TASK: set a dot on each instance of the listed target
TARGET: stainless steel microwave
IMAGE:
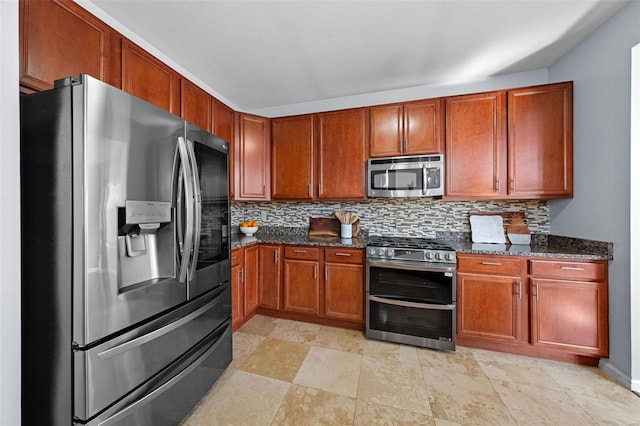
(414, 176)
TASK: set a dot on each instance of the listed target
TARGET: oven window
(426, 323)
(414, 286)
(396, 180)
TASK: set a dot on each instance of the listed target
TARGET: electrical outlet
(263, 215)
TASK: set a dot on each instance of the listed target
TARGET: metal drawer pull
(299, 251)
(571, 268)
(412, 304)
(343, 254)
(492, 263)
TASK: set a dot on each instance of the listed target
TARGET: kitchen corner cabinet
(490, 303)
(411, 128)
(511, 143)
(60, 39)
(270, 276)
(148, 78)
(292, 158)
(195, 105)
(244, 284)
(344, 283)
(223, 126)
(342, 154)
(540, 122)
(569, 306)
(252, 158)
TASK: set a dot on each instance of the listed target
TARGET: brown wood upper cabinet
(223, 126)
(293, 170)
(411, 128)
(511, 144)
(148, 78)
(196, 105)
(252, 158)
(541, 141)
(342, 154)
(60, 39)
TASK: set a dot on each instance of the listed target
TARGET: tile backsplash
(417, 217)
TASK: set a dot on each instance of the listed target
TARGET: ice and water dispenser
(146, 243)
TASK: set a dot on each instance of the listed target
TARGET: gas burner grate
(408, 242)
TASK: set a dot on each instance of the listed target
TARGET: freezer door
(125, 152)
(211, 262)
(111, 370)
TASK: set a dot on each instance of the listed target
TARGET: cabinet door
(237, 287)
(489, 307)
(251, 278)
(570, 316)
(270, 280)
(423, 127)
(146, 77)
(302, 286)
(61, 39)
(476, 146)
(292, 168)
(223, 126)
(541, 141)
(386, 139)
(342, 148)
(344, 291)
(196, 105)
(252, 158)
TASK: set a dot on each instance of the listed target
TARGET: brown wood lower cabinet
(244, 284)
(555, 309)
(324, 285)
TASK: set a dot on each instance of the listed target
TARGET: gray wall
(600, 67)
(9, 217)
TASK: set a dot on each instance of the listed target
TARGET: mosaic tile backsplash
(414, 217)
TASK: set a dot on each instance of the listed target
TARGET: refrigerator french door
(125, 248)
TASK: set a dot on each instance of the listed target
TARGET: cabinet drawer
(237, 257)
(493, 265)
(569, 270)
(339, 255)
(302, 252)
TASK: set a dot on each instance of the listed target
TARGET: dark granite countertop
(541, 245)
(551, 246)
(295, 236)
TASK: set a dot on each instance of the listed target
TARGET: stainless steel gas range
(411, 291)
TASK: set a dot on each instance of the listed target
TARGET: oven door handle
(412, 304)
(414, 266)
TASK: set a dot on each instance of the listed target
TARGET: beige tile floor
(294, 373)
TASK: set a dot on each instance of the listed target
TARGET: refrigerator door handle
(187, 245)
(198, 208)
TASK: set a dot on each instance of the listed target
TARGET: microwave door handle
(425, 181)
(188, 192)
(197, 207)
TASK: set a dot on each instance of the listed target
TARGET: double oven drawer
(411, 303)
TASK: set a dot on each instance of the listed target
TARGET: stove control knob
(389, 252)
(381, 252)
(438, 256)
(450, 256)
(428, 255)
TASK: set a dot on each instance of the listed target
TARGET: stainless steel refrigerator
(126, 299)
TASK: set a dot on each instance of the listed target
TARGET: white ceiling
(264, 53)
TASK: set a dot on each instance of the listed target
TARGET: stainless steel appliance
(414, 176)
(126, 300)
(411, 291)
